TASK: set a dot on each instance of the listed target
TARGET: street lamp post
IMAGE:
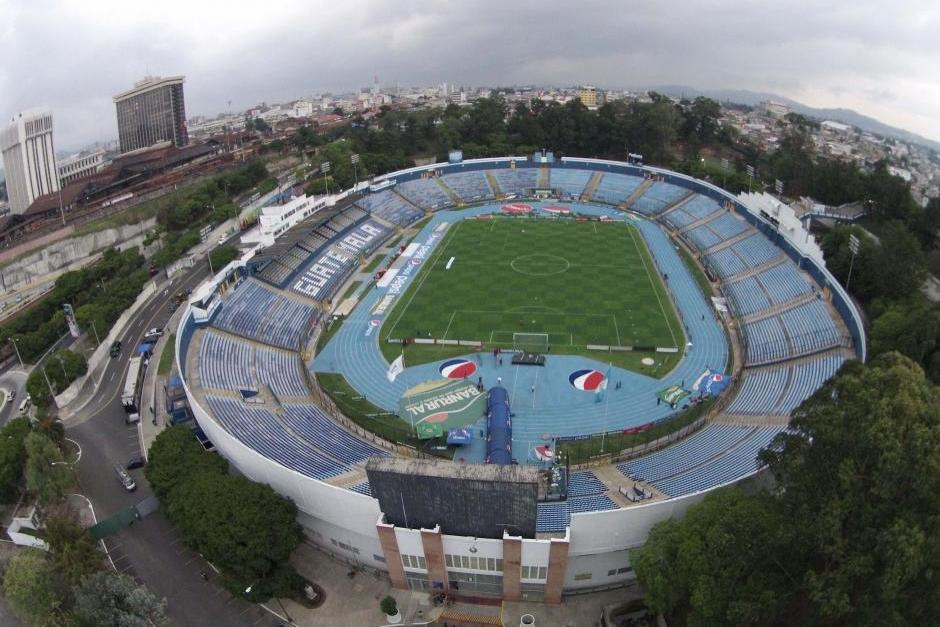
(354, 158)
(97, 339)
(290, 620)
(17, 349)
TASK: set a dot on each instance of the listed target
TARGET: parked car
(135, 462)
(11, 394)
(115, 348)
(153, 333)
(124, 478)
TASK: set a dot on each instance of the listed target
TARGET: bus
(133, 386)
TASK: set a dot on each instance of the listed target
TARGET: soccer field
(578, 283)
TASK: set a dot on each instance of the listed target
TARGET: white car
(154, 332)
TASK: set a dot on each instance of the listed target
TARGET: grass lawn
(375, 262)
(352, 289)
(576, 283)
(166, 357)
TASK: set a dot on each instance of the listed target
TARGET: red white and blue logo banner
(587, 380)
(457, 368)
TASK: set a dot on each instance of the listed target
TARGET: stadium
(522, 305)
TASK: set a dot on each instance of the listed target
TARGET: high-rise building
(152, 112)
(29, 158)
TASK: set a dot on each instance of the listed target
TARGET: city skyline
(860, 57)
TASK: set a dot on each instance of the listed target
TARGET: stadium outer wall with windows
(591, 554)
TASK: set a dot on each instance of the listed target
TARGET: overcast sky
(879, 58)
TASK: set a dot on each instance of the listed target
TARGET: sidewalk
(154, 418)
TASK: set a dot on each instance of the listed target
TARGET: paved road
(12, 380)
(150, 549)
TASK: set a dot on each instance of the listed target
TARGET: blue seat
(469, 186)
(426, 193)
(614, 189)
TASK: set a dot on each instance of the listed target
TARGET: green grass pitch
(579, 282)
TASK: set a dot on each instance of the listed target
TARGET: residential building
(80, 166)
(591, 96)
(29, 158)
(153, 111)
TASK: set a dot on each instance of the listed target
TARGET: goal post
(530, 342)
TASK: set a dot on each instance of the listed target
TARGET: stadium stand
(584, 483)
(695, 209)
(568, 184)
(766, 341)
(470, 186)
(391, 207)
(518, 181)
(321, 278)
(614, 189)
(425, 193)
(251, 305)
(317, 429)
(362, 488)
(810, 328)
(729, 466)
(259, 429)
(658, 198)
(778, 391)
(280, 371)
(224, 363)
(747, 296)
(712, 440)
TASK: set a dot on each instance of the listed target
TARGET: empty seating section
(553, 517)
(779, 391)
(730, 466)
(784, 282)
(280, 372)
(519, 181)
(750, 252)
(658, 198)
(260, 430)
(766, 341)
(593, 503)
(694, 451)
(426, 193)
(614, 189)
(810, 328)
(760, 392)
(692, 210)
(584, 483)
(390, 206)
(569, 183)
(354, 213)
(362, 488)
(747, 296)
(310, 423)
(756, 250)
(255, 312)
(275, 272)
(704, 237)
(224, 363)
(806, 379)
(727, 226)
(470, 186)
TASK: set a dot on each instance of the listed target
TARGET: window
(625, 569)
(611, 572)
(582, 576)
(464, 562)
(378, 558)
(414, 561)
(534, 572)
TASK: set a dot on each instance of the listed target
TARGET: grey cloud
(852, 55)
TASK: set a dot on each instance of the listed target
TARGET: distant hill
(846, 116)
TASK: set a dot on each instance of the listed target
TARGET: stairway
(447, 190)
(639, 191)
(592, 184)
(491, 179)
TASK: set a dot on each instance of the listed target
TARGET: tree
(110, 599)
(48, 477)
(12, 458)
(73, 552)
(722, 564)
(32, 588)
(859, 473)
(220, 256)
(175, 455)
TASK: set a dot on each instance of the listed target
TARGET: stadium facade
(588, 550)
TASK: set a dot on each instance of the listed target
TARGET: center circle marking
(540, 264)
